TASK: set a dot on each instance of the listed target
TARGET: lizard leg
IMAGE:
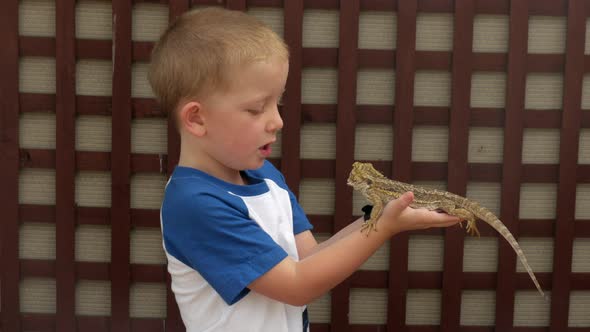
(371, 224)
(467, 216)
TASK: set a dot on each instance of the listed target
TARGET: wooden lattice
(504, 110)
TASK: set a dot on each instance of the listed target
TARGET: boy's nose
(275, 122)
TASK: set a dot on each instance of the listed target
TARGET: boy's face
(241, 123)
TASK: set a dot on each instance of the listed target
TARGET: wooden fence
(486, 98)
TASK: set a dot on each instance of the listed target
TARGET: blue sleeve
(215, 236)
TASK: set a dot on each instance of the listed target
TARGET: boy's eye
(254, 112)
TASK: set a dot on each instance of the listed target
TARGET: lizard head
(363, 175)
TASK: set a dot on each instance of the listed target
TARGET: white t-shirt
(219, 238)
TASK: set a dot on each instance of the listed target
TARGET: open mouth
(265, 150)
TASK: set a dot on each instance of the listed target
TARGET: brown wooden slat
(236, 4)
(345, 125)
(65, 171)
(322, 223)
(457, 165)
(291, 110)
(9, 164)
(402, 150)
(511, 168)
(120, 175)
(36, 46)
(94, 49)
(93, 324)
(310, 168)
(545, 7)
(568, 160)
(38, 322)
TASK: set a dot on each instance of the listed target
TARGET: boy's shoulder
(190, 182)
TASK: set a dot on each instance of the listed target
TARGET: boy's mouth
(265, 150)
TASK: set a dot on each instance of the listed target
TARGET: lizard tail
(491, 219)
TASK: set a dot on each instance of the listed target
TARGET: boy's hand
(398, 216)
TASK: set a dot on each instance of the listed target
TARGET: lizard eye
(369, 182)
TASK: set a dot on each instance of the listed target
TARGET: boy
(240, 249)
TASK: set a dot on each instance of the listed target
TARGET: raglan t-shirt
(220, 237)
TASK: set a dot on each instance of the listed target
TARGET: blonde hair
(196, 53)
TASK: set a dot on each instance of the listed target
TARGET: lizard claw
(368, 226)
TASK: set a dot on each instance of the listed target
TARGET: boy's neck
(222, 173)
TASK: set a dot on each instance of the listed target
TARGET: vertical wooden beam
(568, 162)
(291, 109)
(457, 160)
(121, 167)
(65, 111)
(403, 119)
(345, 129)
(173, 321)
(9, 167)
(512, 168)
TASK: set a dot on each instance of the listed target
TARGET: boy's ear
(191, 118)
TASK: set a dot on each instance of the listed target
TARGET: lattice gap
(490, 33)
(320, 28)
(530, 309)
(581, 255)
(368, 306)
(146, 246)
(273, 17)
(319, 85)
(486, 145)
(430, 143)
(425, 253)
(37, 131)
(379, 261)
(478, 308)
(149, 135)
(93, 298)
(377, 30)
(582, 201)
(37, 74)
(93, 133)
(37, 295)
(423, 307)
(375, 87)
(488, 89)
(149, 20)
(36, 241)
(94, 77)
(36, 18)
(434, 32)
(547, 34)
(318, 141)
(539, 253)
(538, 201)
(94, 20)
(320, 310)
(93, 243)
(373, 142)
(147, 300)
(316, 196)
(36, 186)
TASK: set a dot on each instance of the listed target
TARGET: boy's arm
(298, 283)
(307, 244)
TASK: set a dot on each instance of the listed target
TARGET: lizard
(379, 190)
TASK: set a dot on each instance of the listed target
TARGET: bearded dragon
(379, 190)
